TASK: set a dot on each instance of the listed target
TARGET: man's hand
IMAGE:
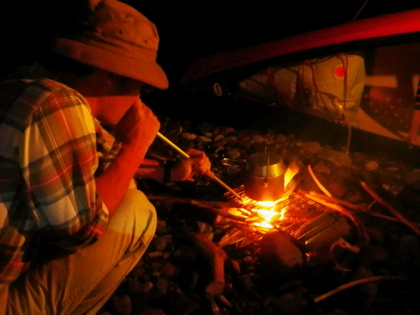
(138, 127)
(198, 163)
(136, 131)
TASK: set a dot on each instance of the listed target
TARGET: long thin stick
(220, 208)
(173, 145)
(391, 209)
(353, 283)
(318, 183)
(209, 173)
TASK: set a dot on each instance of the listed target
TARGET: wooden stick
(398, 215)
(209, 173)
(353, 283)
(386, 217)
(220, 208)
(339, 201)
(360, 208)
(318, 183)
(173, 145)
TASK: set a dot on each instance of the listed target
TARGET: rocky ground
(368, 263)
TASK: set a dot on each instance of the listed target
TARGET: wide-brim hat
(117, 38)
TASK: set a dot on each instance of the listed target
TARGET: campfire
(341, 238)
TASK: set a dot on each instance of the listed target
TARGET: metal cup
(265, 180)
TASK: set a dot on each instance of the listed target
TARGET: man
(72, 225)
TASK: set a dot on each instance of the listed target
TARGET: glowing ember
(263, 216)
(267, 204)
(264, 213)
(260, 217)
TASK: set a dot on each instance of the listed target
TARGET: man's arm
(183, 170)
(58, 158)
(136, 132)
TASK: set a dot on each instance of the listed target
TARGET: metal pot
(265, 180)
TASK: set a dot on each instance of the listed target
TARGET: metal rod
(209, 173)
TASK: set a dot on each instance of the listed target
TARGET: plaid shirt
(50, 149)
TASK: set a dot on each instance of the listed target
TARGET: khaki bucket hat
(117, 38)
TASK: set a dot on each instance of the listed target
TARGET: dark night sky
(189, 30)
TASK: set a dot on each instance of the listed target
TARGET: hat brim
(147, 72)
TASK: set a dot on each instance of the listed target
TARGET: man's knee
(137, 217)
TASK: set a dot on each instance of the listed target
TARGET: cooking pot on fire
(265, 180)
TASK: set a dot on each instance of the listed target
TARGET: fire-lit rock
(279, 255)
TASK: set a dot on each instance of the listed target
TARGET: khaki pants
(81, 282)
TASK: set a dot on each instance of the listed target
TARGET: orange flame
(266, 215)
